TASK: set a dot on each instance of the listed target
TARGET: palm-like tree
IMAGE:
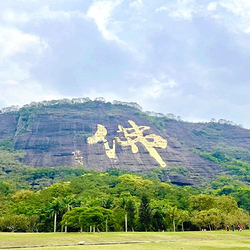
(68, 203)
(56, 207)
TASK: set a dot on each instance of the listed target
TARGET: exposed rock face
(58, 136)
(8, 124)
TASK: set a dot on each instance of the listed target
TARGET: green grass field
(153, 241)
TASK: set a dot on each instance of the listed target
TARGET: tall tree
(56, 207)
(145, 214)
(158, 220)
(183, 217)
(131, 212)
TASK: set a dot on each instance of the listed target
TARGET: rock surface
(57, 136)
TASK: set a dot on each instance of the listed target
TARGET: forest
(72, 199)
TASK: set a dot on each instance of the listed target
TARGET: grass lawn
(160, 241)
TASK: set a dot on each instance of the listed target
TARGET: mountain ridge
(57, 135)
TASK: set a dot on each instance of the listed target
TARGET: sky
(186, 57)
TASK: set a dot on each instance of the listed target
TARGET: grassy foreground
(153, 241)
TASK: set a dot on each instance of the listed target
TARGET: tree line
(117, 201)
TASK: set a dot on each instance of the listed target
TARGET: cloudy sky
(187, 57)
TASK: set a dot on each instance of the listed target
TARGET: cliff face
(99, 135)
(8, 124)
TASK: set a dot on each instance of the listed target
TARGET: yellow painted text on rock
(100, 136)
(132, 135)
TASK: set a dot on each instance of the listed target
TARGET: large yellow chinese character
(100, 136)
(135, 134)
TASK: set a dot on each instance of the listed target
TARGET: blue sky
(187, 57)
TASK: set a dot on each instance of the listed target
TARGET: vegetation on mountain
(77, 199)
(209, 161)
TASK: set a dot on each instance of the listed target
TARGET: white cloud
(238, 7)
(237, 15)
(101, 13)
(21, 68)
(158, 89)
(12, 16)
(47, 13)
(13, 41)
(247, 30)
(181, 9)
(17, 85)
(138, 4)
(20, 93)
(212, 6)
(234, 14)
(161, 9)
(12, 73)
(155, 88)
(42, 14)
(156, 92)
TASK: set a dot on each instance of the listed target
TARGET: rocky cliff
(101, 135)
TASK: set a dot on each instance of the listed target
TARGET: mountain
(100, 135)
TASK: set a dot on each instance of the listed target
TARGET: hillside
(100, 135)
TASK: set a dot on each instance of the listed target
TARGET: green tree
(158, 220)
(95, 217)
(131, 213)
(56, 207)
(242, 196)
(212, 218)
(134, 184)
(238, 216)
(183, 217)
(72, 218)
(202, 202)
(145, 215)
(14, 223)
(173, 214)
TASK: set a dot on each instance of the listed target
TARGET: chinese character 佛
(131, 136)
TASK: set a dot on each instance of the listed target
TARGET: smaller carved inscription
(78, 158)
